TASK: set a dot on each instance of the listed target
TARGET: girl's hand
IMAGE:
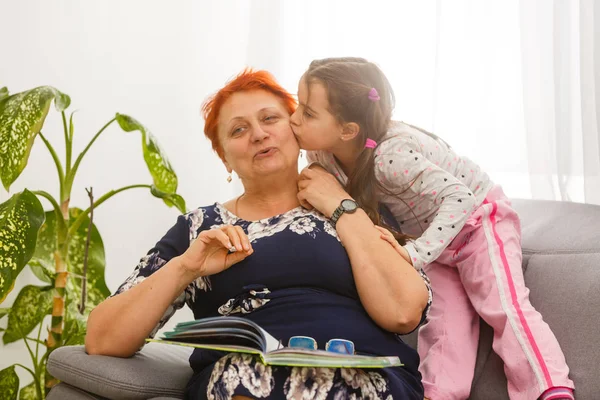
(210, 253)
(314, 166)
(319, 189)
(388, 237)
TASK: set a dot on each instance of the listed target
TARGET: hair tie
(370, 144)
(373, 95)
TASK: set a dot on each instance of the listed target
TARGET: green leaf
(22, 116)
(20, 219)
(29, 309)
(75, 325)
(4, 311)
(3, 93)
(163, 176)
(171, 199)
(28, 392)
(42, 262)
(9, 383)
(97, 290)
(42, 273)
(43, 259)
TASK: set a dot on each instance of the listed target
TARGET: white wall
(155, 61)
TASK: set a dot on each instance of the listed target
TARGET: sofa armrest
(157, 370)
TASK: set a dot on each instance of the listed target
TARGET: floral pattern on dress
(244, 374)
(359, 384)
(299, 220)
(239, 369)
(309, 383)
(246, 302)
(304, 225)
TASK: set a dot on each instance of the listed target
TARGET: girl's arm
(402, 168)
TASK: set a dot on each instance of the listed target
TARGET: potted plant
(62, 246)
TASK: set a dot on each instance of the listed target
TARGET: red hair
(245, 81)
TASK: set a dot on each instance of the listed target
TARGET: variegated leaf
(22, 116)
(97, 290)
(9, 383)
(3, 93)
(170, 198)
(162, 173)
(4, 311)
(28, 392)
(42, 262)
(20, 219)
(32, 304)
(43, 259)
(75, 324)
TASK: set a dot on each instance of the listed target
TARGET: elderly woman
(264, 257)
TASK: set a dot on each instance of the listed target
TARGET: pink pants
(480, 274)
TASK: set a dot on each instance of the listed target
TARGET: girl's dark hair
(348, 81)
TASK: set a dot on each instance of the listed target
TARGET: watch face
(349, 205)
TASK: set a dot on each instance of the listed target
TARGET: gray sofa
(561, 247)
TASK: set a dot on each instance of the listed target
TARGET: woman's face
(254, 130)
(313, 124)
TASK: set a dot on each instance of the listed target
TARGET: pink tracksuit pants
(480, 275)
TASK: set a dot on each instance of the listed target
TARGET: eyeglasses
(340, 346)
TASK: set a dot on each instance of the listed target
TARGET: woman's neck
(266, 198)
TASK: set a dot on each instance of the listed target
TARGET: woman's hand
(319, 189)
(210, 253)
(388, 237)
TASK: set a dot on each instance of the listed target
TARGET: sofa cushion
(64, 391)
(157, 371)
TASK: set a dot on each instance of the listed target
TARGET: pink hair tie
(373, 95)
(370, 144)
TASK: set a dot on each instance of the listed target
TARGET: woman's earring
(229, 178)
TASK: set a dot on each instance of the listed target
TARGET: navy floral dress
(298, 281)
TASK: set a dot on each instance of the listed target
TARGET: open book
(239, 335)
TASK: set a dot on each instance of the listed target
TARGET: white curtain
(513, 85)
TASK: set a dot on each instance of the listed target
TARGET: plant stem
(68, 143)
(73, 228)
(33, 358)
(59, 167)
(58, 308)
(37, 347)
(51, 199)
(61, 226)
(85, 255)
(38, 342)
(73, 171)
(28, 370)
(36, 367)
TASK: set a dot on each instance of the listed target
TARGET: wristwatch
(346, 206)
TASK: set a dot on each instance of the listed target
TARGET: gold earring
(229, 178)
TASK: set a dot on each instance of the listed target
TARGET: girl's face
(312, 123)
(254, 130)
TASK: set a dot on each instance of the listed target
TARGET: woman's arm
(119, 325)
(392, 292)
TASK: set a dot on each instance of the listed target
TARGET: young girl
(466, 235)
